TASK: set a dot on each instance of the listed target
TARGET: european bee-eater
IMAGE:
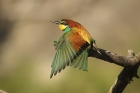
(72, 47)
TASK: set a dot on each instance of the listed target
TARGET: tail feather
(76, 62)
(81, 64)
(81, 61)
(85, 63)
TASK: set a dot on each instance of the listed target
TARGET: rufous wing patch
(76, 40)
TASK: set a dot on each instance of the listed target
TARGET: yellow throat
(62, 27)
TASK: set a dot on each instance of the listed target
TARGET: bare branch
(130, 63)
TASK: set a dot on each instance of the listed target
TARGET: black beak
(56, 22)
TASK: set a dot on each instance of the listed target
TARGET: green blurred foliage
(26, 44)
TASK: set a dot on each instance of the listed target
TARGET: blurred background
(26, 44)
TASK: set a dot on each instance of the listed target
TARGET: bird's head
(63, 25)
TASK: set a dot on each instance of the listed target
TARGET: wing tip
(51, 76)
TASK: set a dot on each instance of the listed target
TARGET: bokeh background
(26, 43)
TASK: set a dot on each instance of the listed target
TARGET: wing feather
(81, 61)
(68, 48)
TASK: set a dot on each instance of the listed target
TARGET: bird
(72, 47)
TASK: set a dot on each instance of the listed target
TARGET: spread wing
(68, 47)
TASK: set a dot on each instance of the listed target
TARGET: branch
(130, 63)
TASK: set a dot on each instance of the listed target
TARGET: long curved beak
(56, 22)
